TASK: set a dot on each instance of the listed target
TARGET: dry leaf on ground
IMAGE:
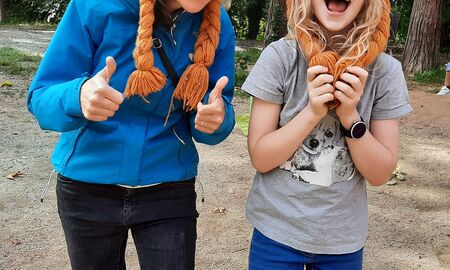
(14, 175)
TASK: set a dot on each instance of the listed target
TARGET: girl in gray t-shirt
(308, 202)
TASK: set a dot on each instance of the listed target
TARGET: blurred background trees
(421, 35)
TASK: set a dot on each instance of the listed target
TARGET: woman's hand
(210, 116)
(98, 100)
(349, 91)
(320, 90)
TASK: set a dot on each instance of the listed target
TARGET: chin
(193, 6)
(336, 15)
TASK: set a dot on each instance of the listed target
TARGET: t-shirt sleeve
(266, 78)
(391, 99)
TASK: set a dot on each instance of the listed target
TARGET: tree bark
(422, 43)
(276, 26)
(2, 11)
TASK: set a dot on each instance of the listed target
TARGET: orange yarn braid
(311, 47)
(146, 79)
(195, 80)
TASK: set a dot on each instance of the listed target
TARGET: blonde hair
(193, 85)
(364, 41)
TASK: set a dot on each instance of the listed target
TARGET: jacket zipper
(174, 25)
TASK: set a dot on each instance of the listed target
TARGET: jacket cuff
(229, 121)
(72, 105)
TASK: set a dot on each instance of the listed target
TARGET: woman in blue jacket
(126, 158)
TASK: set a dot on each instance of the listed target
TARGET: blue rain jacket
(133, 147)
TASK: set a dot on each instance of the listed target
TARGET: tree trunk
(2, 11)
(276, 26)
(422, 44)
(255, 10)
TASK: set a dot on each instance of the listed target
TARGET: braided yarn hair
(317, 53)
(193, 85)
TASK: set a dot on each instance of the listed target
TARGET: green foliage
(247, 57)
(242, 122)
(240, 76)
(279, 25)
(243, 60)
(239, 17)
(15, 62)
(403, 8)
(433, 76)
(256, 10)
(50, 11)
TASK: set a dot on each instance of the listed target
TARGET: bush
(244, 59)
(50, 11)
(433, 76)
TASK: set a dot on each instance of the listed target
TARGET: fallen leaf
(400, 177)
(16, 242)
(219, 210)
(6, 84)
(392, 182)
(14, 175)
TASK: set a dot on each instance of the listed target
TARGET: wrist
(310, 115)
(347, 120)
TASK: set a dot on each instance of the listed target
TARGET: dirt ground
(409, 226)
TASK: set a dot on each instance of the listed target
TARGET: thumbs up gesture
(98, 100)
(210, 116)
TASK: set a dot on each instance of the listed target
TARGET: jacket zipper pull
(171, 34)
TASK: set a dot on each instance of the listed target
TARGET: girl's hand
(349, 92)
(98, 100)
(210, 116)
(320, 90)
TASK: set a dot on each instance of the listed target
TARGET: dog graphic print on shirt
(323, 158)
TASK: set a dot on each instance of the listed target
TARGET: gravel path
(29, 40)
(409, 226)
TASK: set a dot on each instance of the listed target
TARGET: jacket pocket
(73, 142)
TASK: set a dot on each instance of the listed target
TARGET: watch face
(358, 130)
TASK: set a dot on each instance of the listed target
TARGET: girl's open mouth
(337, 6)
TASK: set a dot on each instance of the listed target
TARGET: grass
(436, 76)
(242, 122)
(15, 62)
(11, 22)
(250, 55)
(244, 60)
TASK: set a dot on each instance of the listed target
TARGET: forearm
(276, 147)
(57, 107)
(373, 160)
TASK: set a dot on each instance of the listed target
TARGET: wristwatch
(356, 131)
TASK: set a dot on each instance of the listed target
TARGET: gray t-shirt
(317, 201)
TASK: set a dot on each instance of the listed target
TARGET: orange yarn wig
(193, 85)
(317, 53)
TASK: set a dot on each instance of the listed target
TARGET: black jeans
(96, 219)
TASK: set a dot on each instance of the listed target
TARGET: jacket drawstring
(47, 186)
(202, 191)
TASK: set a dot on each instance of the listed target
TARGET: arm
(223, 66)
(54, 95)
(375, 154)
(270, 146)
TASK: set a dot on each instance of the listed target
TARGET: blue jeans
(96, 220)
(267, 254)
